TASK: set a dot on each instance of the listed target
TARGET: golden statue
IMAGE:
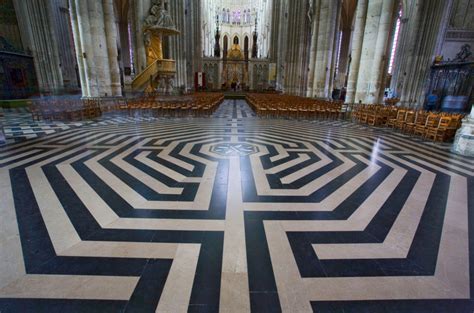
(156, 25)
(235, 52)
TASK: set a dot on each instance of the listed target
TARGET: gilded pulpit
(159, 73)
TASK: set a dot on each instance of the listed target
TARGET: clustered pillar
(419, 31)
(177, 43)
(193, 46)
(306, 63)
(95, 39)
(38, 36)
(370, 50)
(325, 47)
(294, 39)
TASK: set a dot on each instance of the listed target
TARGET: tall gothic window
(395, 43)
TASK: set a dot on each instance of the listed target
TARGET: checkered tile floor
(18, 125)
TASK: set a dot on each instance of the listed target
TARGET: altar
(235, 69)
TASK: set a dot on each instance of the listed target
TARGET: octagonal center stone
(234, 149)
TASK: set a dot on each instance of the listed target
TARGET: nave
(234, 213)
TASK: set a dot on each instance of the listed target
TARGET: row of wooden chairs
(198, 104)
(279, 105)
(65, 109)
(436, 126)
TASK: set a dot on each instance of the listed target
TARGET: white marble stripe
(201, 201)
(435, 166)
(393, 138)
(46, 153)
(142, 176)
(135, 199)
(290, 178)
(107, 218)
(168, 224)
(362, 215)
(302, 157)
(177, 290)
(263, 187)
(415, 146)
(142, 157)
(165, 154)
(11, 255)
(115, 139)
(78, 157)
(71, 287)
(234, 295)
(28, 144)
(371, 143)
(60, 229)
(102, 213)
(450, 163)
(359, 220)
(265, 136)
(453, 256)
(451, 279)
(330, 202)
(400, 237)
(198, 135)
(87, 139)
(142, 250)
(33, 152)
(80, 138)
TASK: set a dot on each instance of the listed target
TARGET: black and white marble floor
(18, 125)
(234, 214)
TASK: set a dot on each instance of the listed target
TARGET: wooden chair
(431, 121)
(398, 123)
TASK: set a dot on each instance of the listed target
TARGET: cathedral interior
(237, 156)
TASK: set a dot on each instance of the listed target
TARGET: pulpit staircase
(151, 74)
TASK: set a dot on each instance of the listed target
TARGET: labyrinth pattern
(234, 214)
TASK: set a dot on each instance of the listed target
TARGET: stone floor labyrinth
(234, 214)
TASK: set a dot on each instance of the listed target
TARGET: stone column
(60, 16)
(282, 44)
(325, 48)
(295, 64)
(433, 26)
(100, 47)
(38, 36)
(422, 21)
(334, 30)
(85, 40)
(344, 57)
(380, 53)
(177, 43)
(357, 41)
(78, 47)
(112, 53)
(314, 45)
(193, 40)
(95, 39)
(374, 11)
(139, 11)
